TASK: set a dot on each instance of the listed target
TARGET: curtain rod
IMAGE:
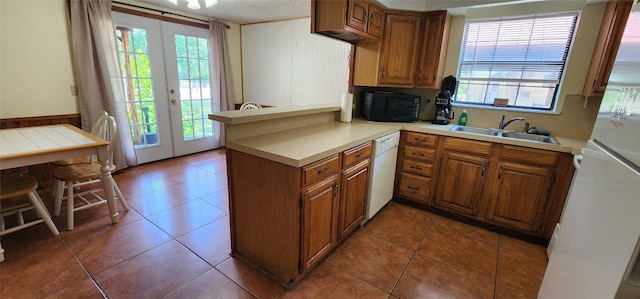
(162, 12)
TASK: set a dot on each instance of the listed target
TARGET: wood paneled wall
(41, 171)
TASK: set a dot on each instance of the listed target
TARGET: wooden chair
(59, 185)
(14, 186)
(87, 175)
(250, 105)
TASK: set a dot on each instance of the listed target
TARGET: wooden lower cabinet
(354, 186)
(518, 188)
(519, 196)
(460, 183)
(319, 210)
(284, 219)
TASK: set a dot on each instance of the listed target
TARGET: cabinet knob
(383, 73)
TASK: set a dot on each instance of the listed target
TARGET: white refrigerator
(595, 254)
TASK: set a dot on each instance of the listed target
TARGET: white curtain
(222, 97)
(97, 72)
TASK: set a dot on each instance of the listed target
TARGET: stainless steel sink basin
(505, 134)
(531, 137)
(474, 130)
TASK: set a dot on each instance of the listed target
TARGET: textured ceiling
(255, 11)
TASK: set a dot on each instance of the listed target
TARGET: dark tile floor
(174, 243)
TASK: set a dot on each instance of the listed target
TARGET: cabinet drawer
(416, 153)
(414, 187)
(320, 169)
(421, 139)
(529, 155)
(417, 168)
(468, 146)
(356, 155)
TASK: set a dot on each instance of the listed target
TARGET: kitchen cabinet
(462, 175)
(348, 20)
(286, 219)
(411, 53)
(613, 23)
(416, 166)
(518, 188)
(521, 188)
(319, 206)
(354, 185)
(433, 49)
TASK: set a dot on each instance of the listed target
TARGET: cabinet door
(357, 15)
(375, 20)
(611, 29)
(460, 183)
(433, 50)
(353, 199)
(319, 210)
(519, 196)
(399, 50)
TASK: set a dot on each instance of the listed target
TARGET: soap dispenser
(463, 118)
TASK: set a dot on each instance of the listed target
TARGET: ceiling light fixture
(195, 4)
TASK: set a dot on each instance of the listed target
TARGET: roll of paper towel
(346, 108)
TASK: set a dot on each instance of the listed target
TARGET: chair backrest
(250, 105)
(99, 118)
(107, 129)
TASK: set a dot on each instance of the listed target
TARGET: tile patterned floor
(174, 243)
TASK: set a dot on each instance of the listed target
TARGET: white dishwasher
(383, 171)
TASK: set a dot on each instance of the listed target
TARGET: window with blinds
(521, 59)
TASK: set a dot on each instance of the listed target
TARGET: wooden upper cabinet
(604, 54)
(348, 20)
(399, 49)
(411, 54)
(433, 50)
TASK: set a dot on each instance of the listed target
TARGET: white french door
(165, 68)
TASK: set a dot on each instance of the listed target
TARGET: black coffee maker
(444, 112)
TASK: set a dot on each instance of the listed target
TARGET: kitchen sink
(505, 134)
(474, 130)
(531, 137)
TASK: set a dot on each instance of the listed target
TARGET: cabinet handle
(421, 139)
(417, 154)
(413, 188)
(335, 189)
(359, 154)
(365, 19)
(500, 173)
(484, 167)
(323, 170)
(416, 167)
(383, 73)
(420, 76)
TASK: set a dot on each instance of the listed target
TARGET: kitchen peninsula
(295, 181)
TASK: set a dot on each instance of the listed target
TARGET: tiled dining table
(42, 144)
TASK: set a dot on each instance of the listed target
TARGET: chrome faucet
(504, 124)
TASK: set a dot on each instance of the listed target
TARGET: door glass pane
(136, 74)
(195, 87)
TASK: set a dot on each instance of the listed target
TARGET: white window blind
(521, 59)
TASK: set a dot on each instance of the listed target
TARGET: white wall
(35, 59)
(283, 64)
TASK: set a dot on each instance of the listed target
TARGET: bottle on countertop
(463, 118)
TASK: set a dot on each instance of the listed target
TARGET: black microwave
(382, 106)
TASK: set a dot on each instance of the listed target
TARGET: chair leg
(70, 198)
(42, 212)
(57, 202)
(123, 202)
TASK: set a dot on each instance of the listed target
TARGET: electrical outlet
(74, 90)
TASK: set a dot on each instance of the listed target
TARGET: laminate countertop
(301, 146)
